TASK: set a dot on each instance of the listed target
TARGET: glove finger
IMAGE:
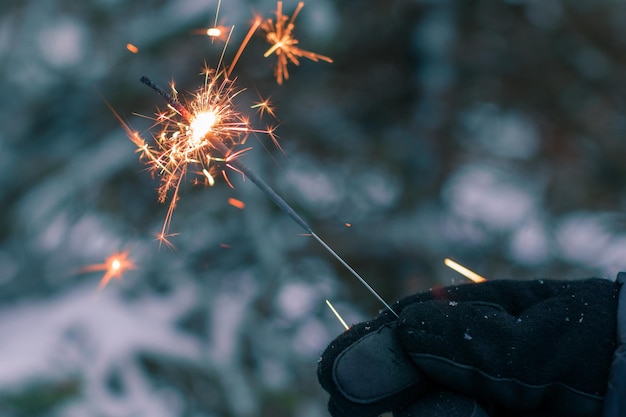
(514, 296)
(443, 403)
(371, 376)
(347, 339)
(539, 359)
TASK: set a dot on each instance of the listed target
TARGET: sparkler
(279, 33)
(204, 130)
(115, 266)
(206, 133)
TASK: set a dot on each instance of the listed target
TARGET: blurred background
(492, 132)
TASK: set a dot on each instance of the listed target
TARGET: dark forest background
(491, 132)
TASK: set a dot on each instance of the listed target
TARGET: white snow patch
(530, 243)
(296, 300)
(88, 333)
(488, 196)
(62, 43)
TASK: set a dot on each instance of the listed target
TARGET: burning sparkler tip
(236, 203)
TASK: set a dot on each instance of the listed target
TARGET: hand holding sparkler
(498, 348)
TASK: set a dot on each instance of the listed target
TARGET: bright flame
(202, 124)
(194, 133)
(468, 273)
(115, 265)
(217, 32)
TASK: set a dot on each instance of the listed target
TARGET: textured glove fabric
(615, 399)
(442, 403)
(366, 370)
(500, 348)
(524, 347)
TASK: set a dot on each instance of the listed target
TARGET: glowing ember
(468, 273)
(214, 32)
(217, 32)
(201, 125)
(132, 48)
(236, 203)
(279, 34)
(115, 266)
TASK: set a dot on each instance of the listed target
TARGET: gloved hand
(499, 348)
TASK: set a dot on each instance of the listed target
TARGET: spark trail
(466, 272)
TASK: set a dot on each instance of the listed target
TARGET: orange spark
(264, 106)
(214, 32)
(163, 239)
(348, 224)
(132, 48)
(236, 203)
(279, 34)
(468, 273)
(115, 265)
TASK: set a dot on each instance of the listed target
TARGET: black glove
(514, 348)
